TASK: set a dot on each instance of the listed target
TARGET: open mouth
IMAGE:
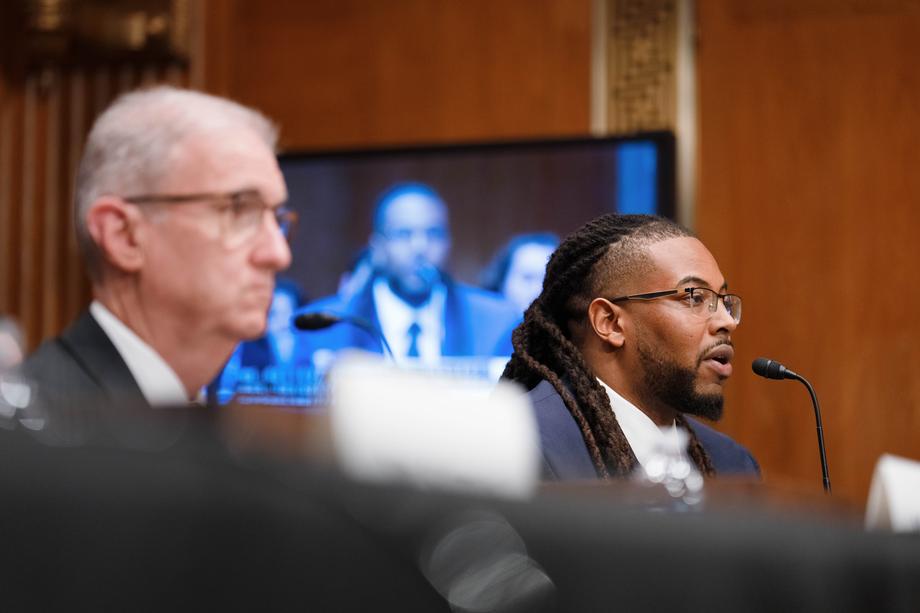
(719, 358)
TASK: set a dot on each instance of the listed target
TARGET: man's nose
(419, 241)
(722, 319)
(272, 250)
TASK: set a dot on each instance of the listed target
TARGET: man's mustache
(707, 350)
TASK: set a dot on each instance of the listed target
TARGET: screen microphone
(309, 322)
(315, 321)
(772, 369)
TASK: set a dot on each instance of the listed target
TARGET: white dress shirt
(396, 316)
(642, 434)
(159, 383)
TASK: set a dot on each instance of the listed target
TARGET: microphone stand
(814, 400)
(771, 369)
(309, 322)
(371, 329)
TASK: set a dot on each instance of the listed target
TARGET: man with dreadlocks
(631, 334)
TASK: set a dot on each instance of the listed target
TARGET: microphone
(771, 369)
(309, 322)
(315, 321)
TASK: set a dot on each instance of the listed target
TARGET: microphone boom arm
(321, 320)
(771, 369)
(814, 400)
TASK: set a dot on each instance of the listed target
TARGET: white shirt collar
(641, 432)
(395, 317)
(159, 383)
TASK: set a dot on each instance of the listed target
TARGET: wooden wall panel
(338, 74)
(44, 116)
(808, 197)
(354, 73)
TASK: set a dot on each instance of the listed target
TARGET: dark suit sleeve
(565, 456)
(753, 465)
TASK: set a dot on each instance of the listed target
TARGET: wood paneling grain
(354, 73)
(808, 198)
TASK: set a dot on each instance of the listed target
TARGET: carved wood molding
(641, 65)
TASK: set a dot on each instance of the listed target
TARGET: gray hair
(134, 142)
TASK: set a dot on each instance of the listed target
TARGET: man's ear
(605, 319)
(116, 230)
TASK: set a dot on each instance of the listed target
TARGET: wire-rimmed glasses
(241, 212)
(701, 300)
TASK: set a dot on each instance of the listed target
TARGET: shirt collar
(395, 317)
(642, 434)
(158, 382)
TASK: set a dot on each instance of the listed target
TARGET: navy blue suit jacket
(477, 322)
(566, 456)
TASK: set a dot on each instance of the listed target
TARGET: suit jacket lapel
(362, 305)
(91, 347)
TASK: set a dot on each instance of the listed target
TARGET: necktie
(414, 331)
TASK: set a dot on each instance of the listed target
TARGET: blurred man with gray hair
(180, 218)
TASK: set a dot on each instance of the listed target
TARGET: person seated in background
(630, 336)
(420, 310)
(516, 272)
(180, 219)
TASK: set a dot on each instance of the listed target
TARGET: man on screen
(179, 218)
(421, 311)
(630, 336)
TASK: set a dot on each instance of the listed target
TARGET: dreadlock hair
(609, 249)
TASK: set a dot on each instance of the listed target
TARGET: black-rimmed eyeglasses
(701, 300)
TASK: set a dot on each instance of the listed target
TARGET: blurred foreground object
(394, 425)
(12, 348)
(894, 497)
(669, 466)
(103, 527)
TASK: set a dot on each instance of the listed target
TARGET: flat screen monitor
(492, 192)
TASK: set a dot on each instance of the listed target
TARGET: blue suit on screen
(477, 322)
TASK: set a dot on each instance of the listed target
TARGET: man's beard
(674, 385)
(418, 293)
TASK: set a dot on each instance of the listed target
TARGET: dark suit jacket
(77, 374)
(477, 322)
(566, 456)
